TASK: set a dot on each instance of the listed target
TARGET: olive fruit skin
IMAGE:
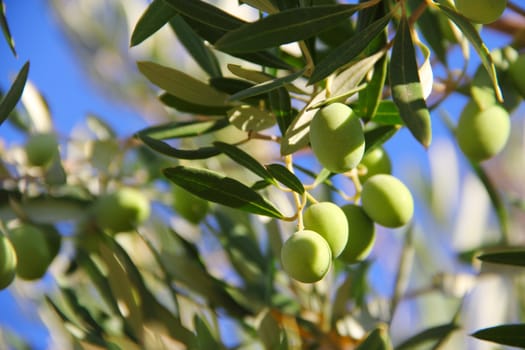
(375, 162)
(189, 206)
(41, 148)
(337, 138)
(387, 201)
(481, 11)
(482, 134)
(32, 251)
(306, 256)
(8, 262)
(361, 234)
(329, 221)
(121, 210)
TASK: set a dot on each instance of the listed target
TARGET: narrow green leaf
(377, 339)
(188, 107)
(250, 118)
(10, 100)
(262, 5)
(195, 46)
(255, 76)
(281, 106)
(269, 331)
(430, 27)
(123, 291)
(286, 177)
(348, 50)
(472, 35)
(507, 334)
(387, 114)
(514, 258)
(167, 150)
(297, 135)
(240, 244)
(206, 13)
(205, 338)
(5, 29)
(431, 334)
(183, 129)
(495, 198)
(230, 85)
(266, 86)
(182, 85)
(220, 189)
(378, 136)
(244, 159)
(370, 97)
(284, 27)
(406, 87)
(155, 17)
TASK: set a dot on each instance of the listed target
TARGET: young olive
(328, 220)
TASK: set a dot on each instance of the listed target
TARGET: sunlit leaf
(348, 50)
(250, 118)
(182, 85)
(286, 177)
(284, 27)
(406, 86)
(155, 17)
(123, 291)
(244, 159)
(514, 258)
(297, 134)
(8, 103)
(220, 189)
(507, 334)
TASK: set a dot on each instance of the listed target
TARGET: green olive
(337, 137)
(306, 256)
(32, 251)
(8, 262)
(189, 206)
(375, 162)
(361, 234)
(328, 220)
(481, 11)
(41, 149)
(387, 201)
(121, 210)
(481, 134)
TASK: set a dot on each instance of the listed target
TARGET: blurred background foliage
(216, 284)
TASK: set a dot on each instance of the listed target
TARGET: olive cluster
(348, 232)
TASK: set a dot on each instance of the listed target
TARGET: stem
(516, 8)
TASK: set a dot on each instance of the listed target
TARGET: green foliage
(276, 155)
